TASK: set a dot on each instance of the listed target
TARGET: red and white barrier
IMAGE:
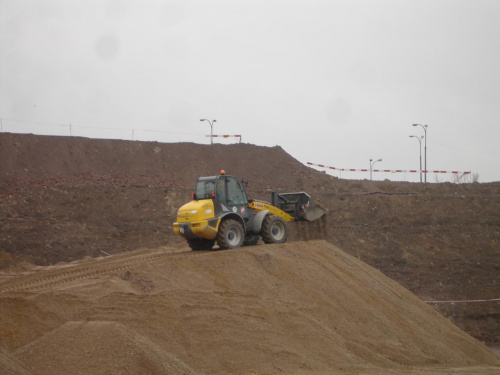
(225, 136)
(386, 170)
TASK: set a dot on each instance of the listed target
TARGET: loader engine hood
(196, 211)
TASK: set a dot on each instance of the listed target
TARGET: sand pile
(296, 308)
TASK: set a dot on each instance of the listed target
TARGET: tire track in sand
(49, 278)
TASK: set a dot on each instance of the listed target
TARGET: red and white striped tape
(385, 170)
(225, 136)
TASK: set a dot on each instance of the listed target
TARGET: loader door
(230, 192)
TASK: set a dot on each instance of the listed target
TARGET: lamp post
(371, 166)
(420, 143)
(211, 129)
(425, 148)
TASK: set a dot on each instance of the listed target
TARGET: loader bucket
(299, 205)
(314, 211)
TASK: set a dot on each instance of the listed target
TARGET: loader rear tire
(230, 234)
(274, 229)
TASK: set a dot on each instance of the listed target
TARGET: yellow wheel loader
(222, 212)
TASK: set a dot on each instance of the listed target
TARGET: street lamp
(211, 129)
(371, 166)
(425, 148)
(420, 142)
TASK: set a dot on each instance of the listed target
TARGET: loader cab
(225, 189)
(230, 192)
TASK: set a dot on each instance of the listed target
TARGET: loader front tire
(230, 234)
(274, 229)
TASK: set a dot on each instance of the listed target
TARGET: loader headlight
(209, 211)
(192, 212)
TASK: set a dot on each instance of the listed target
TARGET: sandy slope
(297, 308)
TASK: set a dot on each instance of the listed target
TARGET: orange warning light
(222, 171)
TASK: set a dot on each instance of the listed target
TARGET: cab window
(221, 189)
(235, 193)
(205, 189)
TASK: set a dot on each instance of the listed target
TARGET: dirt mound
(97, 347)
(9, 365)
(65, 198)
(302, 308)
(74, 161)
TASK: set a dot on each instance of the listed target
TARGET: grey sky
(332, 82)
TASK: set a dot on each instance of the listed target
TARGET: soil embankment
(64, 198)
(296, 308)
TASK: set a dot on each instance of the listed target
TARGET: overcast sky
(332, 82)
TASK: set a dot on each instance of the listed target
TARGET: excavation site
(387, 278)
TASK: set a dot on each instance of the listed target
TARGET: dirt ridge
(301, 308)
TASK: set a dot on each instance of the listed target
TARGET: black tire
(198, 244)
(274, 229)
(251, 240)
(230, 235)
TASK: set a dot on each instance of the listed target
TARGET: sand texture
(304, 307)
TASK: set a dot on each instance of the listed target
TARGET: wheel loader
(220, 211)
